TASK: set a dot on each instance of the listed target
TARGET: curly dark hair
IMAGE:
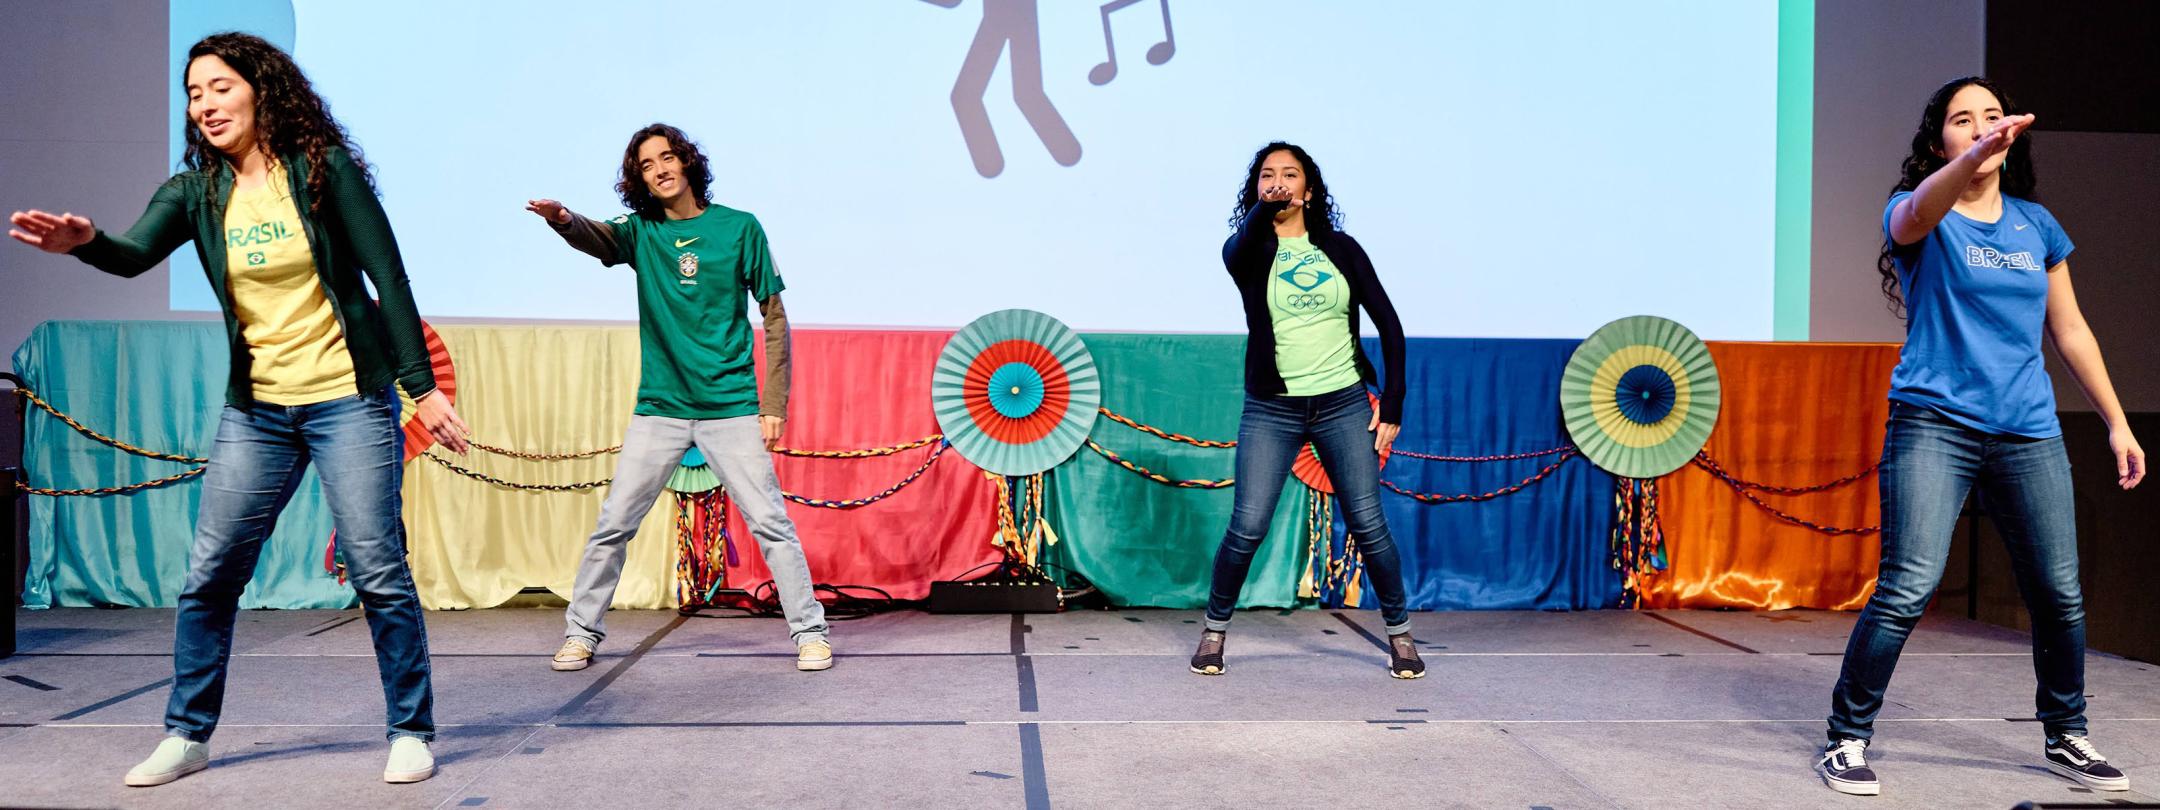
(1321, 214)
(1927, 155)
(290, 117)
(695, 168)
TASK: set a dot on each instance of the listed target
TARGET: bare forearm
(2081, 352)
(1933, 199)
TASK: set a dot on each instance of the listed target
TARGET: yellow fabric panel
(296, 345)
(537, 389)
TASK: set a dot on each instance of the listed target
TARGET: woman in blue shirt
(1982, 272)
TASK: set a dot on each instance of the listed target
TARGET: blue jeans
(1929, 466)
(358, 447)
(1271, 433)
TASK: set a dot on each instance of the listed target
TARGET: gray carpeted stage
(1092, 709)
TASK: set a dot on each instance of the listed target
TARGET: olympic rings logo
(1300, 302)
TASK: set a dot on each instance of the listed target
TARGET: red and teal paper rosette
(1640, 396)
(1016, 392)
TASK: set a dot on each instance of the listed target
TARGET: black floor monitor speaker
(994, 596)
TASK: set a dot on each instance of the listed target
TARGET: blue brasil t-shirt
(1976, 300)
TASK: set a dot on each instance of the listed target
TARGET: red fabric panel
(859, 389)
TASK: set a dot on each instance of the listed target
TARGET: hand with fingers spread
(441, 421)
(1999, 138)
(549, 210)
(52, 233)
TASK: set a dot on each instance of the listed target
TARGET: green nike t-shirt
(693, 327)
(1310, 305)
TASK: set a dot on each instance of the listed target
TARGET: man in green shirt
(694, 262)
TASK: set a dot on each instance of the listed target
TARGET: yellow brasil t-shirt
(293, 336)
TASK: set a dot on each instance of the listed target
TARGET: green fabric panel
(1145, 543)
(158, 385)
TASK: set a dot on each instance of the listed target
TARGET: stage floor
(1094, 709)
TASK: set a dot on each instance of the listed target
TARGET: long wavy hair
(1927, 155)
(1321, 215)
(695, 168)
(291, 119)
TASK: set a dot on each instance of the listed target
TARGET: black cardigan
(1249, 255)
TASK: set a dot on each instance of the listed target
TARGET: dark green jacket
(349, 236)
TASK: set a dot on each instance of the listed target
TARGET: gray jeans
(652, 448)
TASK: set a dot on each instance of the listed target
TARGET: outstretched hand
(1280, 194)
(549, 210)
(1999, 138)
(52, 233)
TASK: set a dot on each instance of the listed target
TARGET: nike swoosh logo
(2014, 228)
(683, 243)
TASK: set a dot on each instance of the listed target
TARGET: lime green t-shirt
(1310, 305)
(693, 328)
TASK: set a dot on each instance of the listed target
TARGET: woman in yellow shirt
(285, 220)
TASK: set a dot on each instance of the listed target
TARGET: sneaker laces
(1404, 647)
(1848, 753)
(572, 645)
(1211, 643)
(2082, 746)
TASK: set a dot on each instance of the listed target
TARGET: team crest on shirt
(687, 263)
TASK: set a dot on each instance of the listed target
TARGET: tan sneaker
(576, 654)
(814, 656)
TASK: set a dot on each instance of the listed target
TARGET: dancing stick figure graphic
(1014, 22)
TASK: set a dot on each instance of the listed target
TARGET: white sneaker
(174, 758)
(410, 761)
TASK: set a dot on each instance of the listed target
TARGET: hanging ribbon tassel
(1653, 530)
(703, 549)
(1354, 575)
(1638, 544)
(1034, 499)
(1315, 534)
(330, 562)
(685, 554)
(1007, 535)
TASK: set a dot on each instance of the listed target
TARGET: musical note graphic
(1157, 54)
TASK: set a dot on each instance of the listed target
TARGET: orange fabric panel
(1792, 414)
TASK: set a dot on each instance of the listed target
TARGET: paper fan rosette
(1015, 392)
(1640, 396)
(1309, 470)
(693, 475)
(417, 438)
